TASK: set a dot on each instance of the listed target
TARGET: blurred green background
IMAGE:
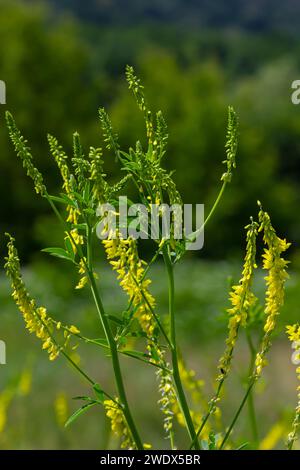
(63, 59)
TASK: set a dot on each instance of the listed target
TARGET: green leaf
(58, 199)
(101, 341)
(98, 392)
(79, 412)
(68, 200)
(137, 354)
(59, 253)
(84, 398)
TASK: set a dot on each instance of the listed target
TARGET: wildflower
(118, 423)
(61, 160)
(80, 164)
(168, 401)
(231, 144)
(73, 329)
(68, 185)
(36, 318)
(23, 151)
(124, 258)
(293, 333)
(275, 281)
(84, 277)
(100, 186)
(110, 137)
(241, 299)
(138, 91)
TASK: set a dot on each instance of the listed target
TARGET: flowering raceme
(275, 281)
(123, 256)
(241, 299)
(36, 318)
(293, 332)
(118, 424)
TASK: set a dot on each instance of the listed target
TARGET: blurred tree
(49, 89)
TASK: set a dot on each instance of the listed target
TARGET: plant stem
(211, 212)
(237, 413)
(251, 407)
(113, 347)
(176, 375)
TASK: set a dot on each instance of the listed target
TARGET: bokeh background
(63, 59)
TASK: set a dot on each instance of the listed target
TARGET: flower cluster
(231, 144)
(275, 281)
(123, 256)
(68, 182)
(118, 423)
(241, 299)
(36, 318)
(23, 151)
(293, 332)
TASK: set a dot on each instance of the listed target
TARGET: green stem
(251, 407)
(236, 416)
(176, 375)
(216, 203)
(113, 347)
(211, 212)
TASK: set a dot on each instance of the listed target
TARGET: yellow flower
(36, 318)
(118, 423)
(275, 281)
(73, 329)
(293, 332)
(124, 259)
(241, 299)
(84, 277)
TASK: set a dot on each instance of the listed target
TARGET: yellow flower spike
(36, 318)
(293, 332)
(119, 424)
(275, 282)
(241, 299)
(124, 259)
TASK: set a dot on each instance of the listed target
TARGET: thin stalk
(123, 352)
(211, 212)
(113, 347)
(152, 312)
(236, 416)
(251, 407)
(176, 375)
